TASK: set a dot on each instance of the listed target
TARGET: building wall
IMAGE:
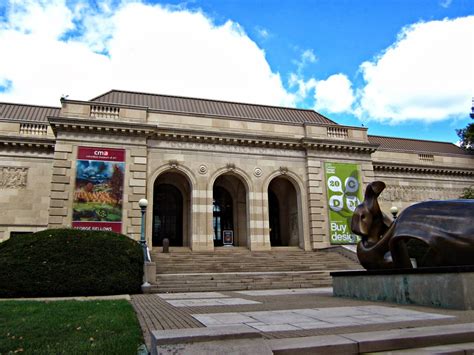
(439, 178)
(64, 173)
(203, 163)
(200, 150)
(25, 185)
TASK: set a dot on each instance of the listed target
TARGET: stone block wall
(317, 195)
(137, 185)
(25, 183)
(62, 185)
(64, 173)
(203, 163)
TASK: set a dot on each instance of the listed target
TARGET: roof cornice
(99, 126)
(27, 142)
(431, 169)
(227, 138)
(330, 144)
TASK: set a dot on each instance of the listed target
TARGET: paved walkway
(284, 313)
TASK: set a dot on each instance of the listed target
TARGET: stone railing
(34, 129)
(426, 157)
(338, 132)
(100, 111)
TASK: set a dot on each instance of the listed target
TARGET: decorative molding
(99, 126)
(187, 136)
(173, 164)
(394, 193)
(420, 169)
(333, 145)
(230, 166)
(203, 169)
(13, 177)
(283, 170)
(27, 142)
(258, 172)
(213, 147)
(300, 144)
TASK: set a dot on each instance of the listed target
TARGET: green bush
(68, 262)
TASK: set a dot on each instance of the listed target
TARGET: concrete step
(242, 269)
(413, 340)
(446, 339)
(239, 281)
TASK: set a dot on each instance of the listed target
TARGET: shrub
(468, 193)
(68, 262)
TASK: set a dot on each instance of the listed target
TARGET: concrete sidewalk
(280, 314)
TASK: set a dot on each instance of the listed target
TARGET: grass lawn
(69, 327)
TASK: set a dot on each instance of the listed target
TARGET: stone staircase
(231, 269)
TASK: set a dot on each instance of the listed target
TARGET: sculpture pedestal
(445, 287)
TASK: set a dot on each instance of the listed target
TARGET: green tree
(467, 134)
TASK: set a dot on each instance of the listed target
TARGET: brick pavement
(155, 313)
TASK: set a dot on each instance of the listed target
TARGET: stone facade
(196, 153)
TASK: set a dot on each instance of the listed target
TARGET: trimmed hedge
(69, 262)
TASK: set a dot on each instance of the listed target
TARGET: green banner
(344, 195)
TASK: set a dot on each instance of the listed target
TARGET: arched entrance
(283, 211)
(171, 206)
(229, 211)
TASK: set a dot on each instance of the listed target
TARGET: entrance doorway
(223, 217)
(170, 210)
(283, 213)
(229, 211)
(274, 214)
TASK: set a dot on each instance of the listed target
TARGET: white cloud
(45, 19)
(307, 57)
(131, 46)
(427, 75)
(296, 80)
(303, 87)
(334, 94)
(263, 33)
(445, 3)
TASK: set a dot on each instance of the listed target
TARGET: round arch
(298, 220)
(239, 186)
(239, 173)
(289, 175)
(188, 183)
(174, 168)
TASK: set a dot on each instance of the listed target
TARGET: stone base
(451, 287)
(149, 272)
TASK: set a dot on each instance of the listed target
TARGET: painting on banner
(344, 194)
(98, 193)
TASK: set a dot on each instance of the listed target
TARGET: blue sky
(399, 67)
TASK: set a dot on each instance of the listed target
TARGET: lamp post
(143, 203)
(394, 212)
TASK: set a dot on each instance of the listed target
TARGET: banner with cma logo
(344, 193)
(98, 193)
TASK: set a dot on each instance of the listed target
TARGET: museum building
(215, 173)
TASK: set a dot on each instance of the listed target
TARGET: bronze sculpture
(442, 230)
